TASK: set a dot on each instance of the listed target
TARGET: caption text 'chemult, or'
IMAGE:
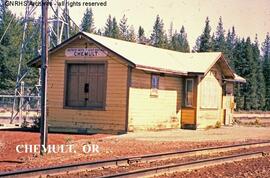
(88, 148)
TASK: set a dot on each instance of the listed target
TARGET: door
(188, 112)
(86, 85)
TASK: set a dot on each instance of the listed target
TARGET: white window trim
(192, 81)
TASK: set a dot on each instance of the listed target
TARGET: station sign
(85, 52)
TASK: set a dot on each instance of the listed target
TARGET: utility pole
(44, 64)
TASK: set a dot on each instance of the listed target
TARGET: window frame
(186, 93)
(68, 62)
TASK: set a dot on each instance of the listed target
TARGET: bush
(36, 122)
(24, 124)
(257, 121)
(218, 124)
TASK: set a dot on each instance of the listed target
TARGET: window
(155, 82)
(85, 85)
(154, 85)
(189, 92)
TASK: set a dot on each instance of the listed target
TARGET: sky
(248, 16)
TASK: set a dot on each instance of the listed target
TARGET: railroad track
(72, 168)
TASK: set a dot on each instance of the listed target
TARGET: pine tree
(158, 34)
(109, 27)
(219, 41)
(166, 44)
(115, 29)
(240, 64)
(196, 48)
(170, 32)
(131, 34)
(175, 44)
(10, 50)
(247, 95)
(141, 36)
(250, 75)
(260, 99)
(266, 69)
(230, 46)
(87, 23)
(205, 38)
(184, 46)
(170, 36)
(99, 32)
(123, 29)
(74, 29)
(179, 41)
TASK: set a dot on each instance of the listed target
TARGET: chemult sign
(90, 52)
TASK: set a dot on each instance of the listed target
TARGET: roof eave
(160, 70)
(236, 80)
(68, 41)
(221, 56)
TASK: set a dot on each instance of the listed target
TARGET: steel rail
(123, 161)
(159, 170)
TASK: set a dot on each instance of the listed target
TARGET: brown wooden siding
(111, 118)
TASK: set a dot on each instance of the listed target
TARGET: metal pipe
(19, 96)
(21, 102)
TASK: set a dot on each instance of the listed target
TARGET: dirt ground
(230, 133)
(257, 167)
(252, 119)
(115, 146)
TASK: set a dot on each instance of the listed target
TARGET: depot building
(98, 84)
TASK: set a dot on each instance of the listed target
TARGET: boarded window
(209, 93)
(189, 92)
(85, 85)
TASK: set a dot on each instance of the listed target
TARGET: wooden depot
(102, 85)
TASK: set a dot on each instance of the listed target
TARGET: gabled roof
(154, 59)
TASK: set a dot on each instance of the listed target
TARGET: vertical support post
(26, 16)
(66, 14)
(38, 86)
(44, 60)
(58, 25)
(21, 102)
